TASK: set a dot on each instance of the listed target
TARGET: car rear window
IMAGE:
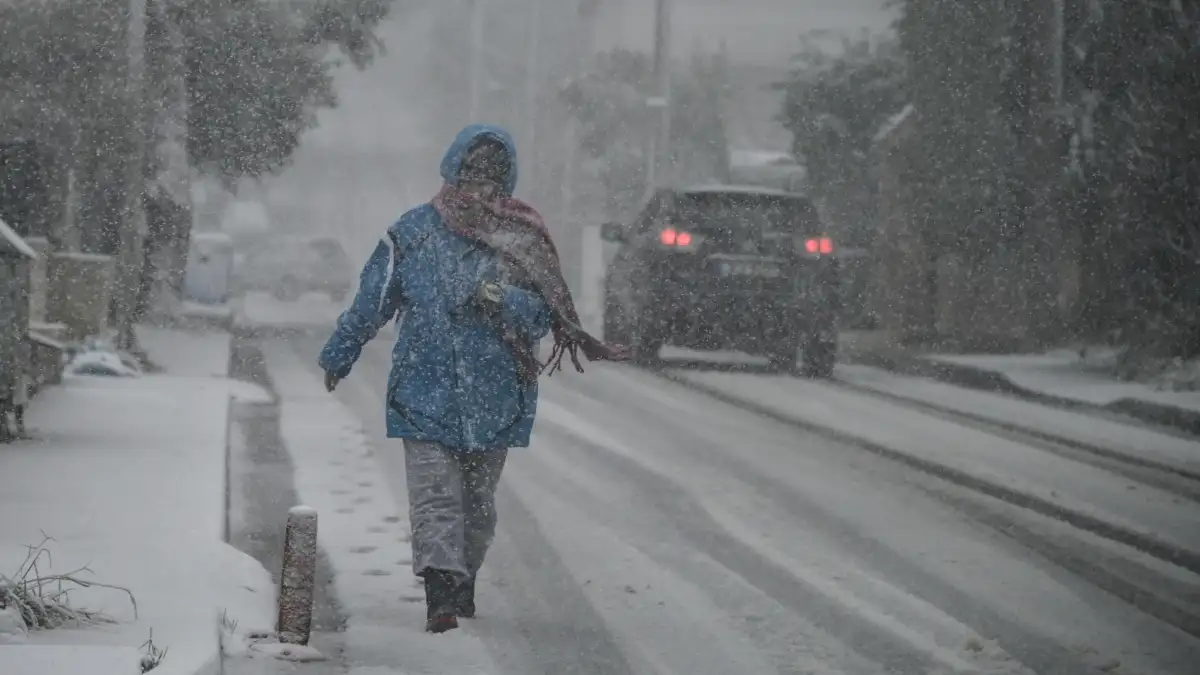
(736, 213)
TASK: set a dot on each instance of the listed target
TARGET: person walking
(474, 282)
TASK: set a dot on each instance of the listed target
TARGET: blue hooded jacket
(453, 380)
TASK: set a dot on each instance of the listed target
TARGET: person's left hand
(331, 382)
(490, 294)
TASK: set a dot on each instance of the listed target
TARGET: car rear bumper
(749, 316)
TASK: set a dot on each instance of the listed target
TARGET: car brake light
(673, 237)
(822, 245)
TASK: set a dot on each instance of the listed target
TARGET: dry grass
(43, 600)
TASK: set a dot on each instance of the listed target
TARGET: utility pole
(659, 140)
(133, 220)
(476, 49)
(531, 85)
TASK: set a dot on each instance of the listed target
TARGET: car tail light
(819, 245)
(676, 238)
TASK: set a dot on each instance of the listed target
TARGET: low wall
(79, 292)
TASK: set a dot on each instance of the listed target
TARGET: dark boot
(464, 599)
(439, 602)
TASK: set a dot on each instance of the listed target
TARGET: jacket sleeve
(527, 311)
(374, 305)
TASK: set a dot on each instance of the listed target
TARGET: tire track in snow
(903, 629)
(1075, 509)
(999, 585)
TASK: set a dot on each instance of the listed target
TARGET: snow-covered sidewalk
(128, 476)
(1061, 374)
(1120, 439)
(1060, 377)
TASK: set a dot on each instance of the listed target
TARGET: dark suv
(740, 268)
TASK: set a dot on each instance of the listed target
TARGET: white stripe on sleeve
(387, 279)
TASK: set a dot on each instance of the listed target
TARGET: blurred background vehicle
(209, 268)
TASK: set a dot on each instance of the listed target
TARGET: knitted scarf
(515, 230)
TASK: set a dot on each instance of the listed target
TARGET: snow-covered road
(652, 528)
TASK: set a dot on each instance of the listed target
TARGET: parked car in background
(209, 268)
(289, 268)
(726, 268)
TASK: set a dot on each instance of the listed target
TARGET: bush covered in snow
(98, 356)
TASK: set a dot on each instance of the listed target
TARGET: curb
(1187, 421)
(971, 377)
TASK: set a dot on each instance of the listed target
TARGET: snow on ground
(365, 533)
(1016, 467)
(827, 527)
(1060, 374)
(101, 363)
(245, 601)
(1136, 441)
(128, 476)
(311, 310)
(197, 353)
(651, 528)
(881, 607)
(89, 659)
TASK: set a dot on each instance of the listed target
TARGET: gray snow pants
(451, 505)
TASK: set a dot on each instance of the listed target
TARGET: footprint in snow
(391, 519)
(377, 573)
(345, 510)
(362, 549)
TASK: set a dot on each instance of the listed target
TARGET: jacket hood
(452, 162)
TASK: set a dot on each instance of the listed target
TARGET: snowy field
(312, 311)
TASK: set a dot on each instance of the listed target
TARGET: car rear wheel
(646, 347)
(632, 329)
(613, 330)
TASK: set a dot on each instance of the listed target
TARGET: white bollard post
(296, 580)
